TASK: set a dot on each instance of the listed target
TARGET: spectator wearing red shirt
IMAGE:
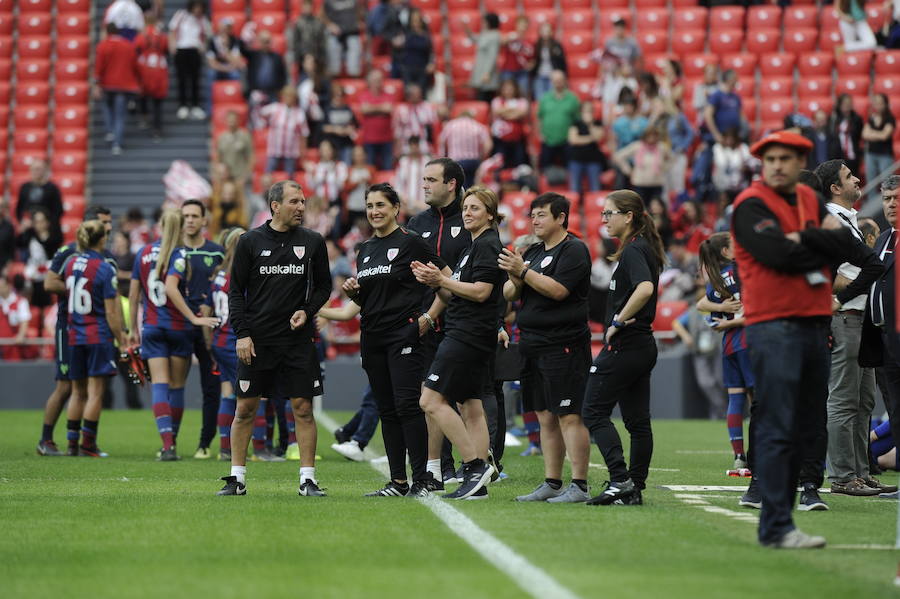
(14, 316)
(690, 226)
(509, 110)
(117, 77)
(517, 57)
(376, 133)
(153, 65)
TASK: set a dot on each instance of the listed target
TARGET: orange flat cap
(783, 138)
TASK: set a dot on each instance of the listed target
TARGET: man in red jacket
(115, 79)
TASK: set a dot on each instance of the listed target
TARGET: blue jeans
(290, 165)
(469, 167)
(791, 364)
(363, 424)
(380, 155)
(577, 170)
(875, 165)
(115, 107)
(541, 86)
(522, 79)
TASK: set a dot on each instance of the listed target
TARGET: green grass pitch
(129, 526)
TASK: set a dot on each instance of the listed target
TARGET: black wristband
(524, 272)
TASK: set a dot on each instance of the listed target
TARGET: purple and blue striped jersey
(57, 265)
(90, 280)
(223, 335)
(159, 311)
(733, 339)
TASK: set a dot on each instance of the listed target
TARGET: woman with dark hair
(847, 126)
(389, 298)
(510, 111)
(549, 56)
(189, 31)
(39, 243)
(659, 212)
(878, 133)
(485, 77)
(586, 160)
(415, 52)
(671, 86)
(620, 374)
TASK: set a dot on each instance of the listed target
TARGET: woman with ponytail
(166, 337)
(94, 324)
(620, 374)
(723, 299)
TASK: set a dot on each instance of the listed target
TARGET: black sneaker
(421, 488)
(310, 489)
(340, 436)
(168, 455)
(72, 450)
(48, 449)
(475, 475)
(751, 497)
(634, 499)
(481, 493)
(613, 491)
(810, 500)
(434, 484)
(453, 478)
(495, 472)
(391, 489)
(232, 487)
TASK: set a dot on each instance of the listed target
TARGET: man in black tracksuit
(279, 280)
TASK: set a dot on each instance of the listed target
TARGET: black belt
(856, 312)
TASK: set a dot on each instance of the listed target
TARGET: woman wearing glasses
(620, 374)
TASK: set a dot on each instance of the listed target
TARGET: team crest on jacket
(454, 231)
(426, 234)
(547, 260)
(300, 251)
(392, 253)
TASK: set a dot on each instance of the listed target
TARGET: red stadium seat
(31, 117)
(809, 106)
(4, 117)
(854, 63)
(462, 47)
(6, 24)
(694, 64)
(6, 48)
(21, 161)
(813, 87)
(743, 64)
(582, 42)
(764, 17)
(746, 89)
(217, 6)
(220, 114)
(73, 163)
(427, 4)
(518, 202)
(519, 226)
(579, 4)
(227, 92)
(800, 17)
(688, 42)
(73, 24)
(539, 16)
(777, 65)
(531, 5)
(888, 85)
(594, 201)
(854, 85)
(583, 66)
(238, 20)
(69, 227)
(461, 71)
(829, 39)
(653, 42)
(887, 62)
(70, 183)
(763, 41)
(74, 206)
(480, 110)
(666, 314)
(726, 17)
(604, 5)
(577, 20)
(500, 6)
(860, 103)
(458, 20)
(690, 19)
(645, 4)
(35, 47)
(829, 17)
(656, 62)
(394, 87)
(775, 87)
(605, 23)
(682, 4)
(652, 19)
(5, 94)
(33, 70)
(727, 41)
(273, 22)
(583, 88)
(35, 24)
(71, 117)
(77, 47)
(876, 16)
(32, 92)
(70, 140)
(39, 6)
(73, 6)
(815, 64)
(458, 5)
(258, 6)
(30, 140)
(72, 70)
(800, 41)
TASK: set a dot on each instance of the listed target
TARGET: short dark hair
(558, 205)
(452, 170)
(111, 28)
(829, 173)
(95, 210)
(492, 20)
(195, 202)
(387, 191)
(807, 177)
(275, 192)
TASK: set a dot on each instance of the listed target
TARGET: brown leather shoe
(874, 483)
(855, 487)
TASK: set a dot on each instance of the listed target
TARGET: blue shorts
(226, 360)
(62, 353)
(736, 371)
(92, 360)
(157, 342)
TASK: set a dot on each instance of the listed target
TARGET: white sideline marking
(531, 579)
(870, 547)
(704, 452)
(740, 488)
(603, 467)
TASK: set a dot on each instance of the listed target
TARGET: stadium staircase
(134, 178)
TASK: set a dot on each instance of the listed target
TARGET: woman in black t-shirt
(473, 294)
(878, 133)
(585, 157)
(620, 374)
(391, 323)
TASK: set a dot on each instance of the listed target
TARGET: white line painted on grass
(740, 488)
(704, 452)
(864, 547)
(529, 577)
(603, 467)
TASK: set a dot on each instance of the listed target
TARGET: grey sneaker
(797, 539)
(264, 455)
(572, 494)
(542, 493)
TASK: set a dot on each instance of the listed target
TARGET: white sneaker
(350, 450)
(182, 113)
(116, 150)
(797, 539)
(197, 113)
(109, 137)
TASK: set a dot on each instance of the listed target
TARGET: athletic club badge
(454, 231)
(426, 234)
(244, 386)
(392, 253)
(547, 260)
(299, 251)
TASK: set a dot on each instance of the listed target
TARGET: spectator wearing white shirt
(127, 16)
(360, 175)
(288, 131)
(408, 178)
(466, 141)
(328, 177)
(731, 165)
(14, 316)
(189, 30)
(414, 118)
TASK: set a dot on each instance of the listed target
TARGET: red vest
(768, 294)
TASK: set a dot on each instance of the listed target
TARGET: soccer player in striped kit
(94, 324)
(166, 336)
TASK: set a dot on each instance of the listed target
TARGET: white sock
(240, 473)
(434, 467)
(307, 474)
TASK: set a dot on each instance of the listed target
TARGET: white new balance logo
(565, 403)
(433, 377)
(405, 350)
(266, 253)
